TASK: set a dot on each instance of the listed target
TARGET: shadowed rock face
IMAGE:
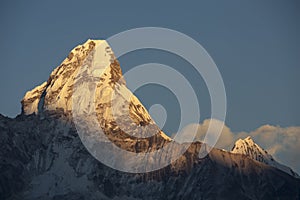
(42, 156)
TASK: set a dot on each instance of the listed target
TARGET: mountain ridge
(42, 156)
(47, 160)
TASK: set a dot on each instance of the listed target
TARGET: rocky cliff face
(42, 156)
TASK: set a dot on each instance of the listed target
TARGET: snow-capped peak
(248, 147)
(56, 92)
(88, 65)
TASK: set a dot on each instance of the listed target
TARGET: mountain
(54, 97)
(250, 148)
(42, 155)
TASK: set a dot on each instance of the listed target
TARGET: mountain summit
(248, 147)
(42, 155)
(56, 96)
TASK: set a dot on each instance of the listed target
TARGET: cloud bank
(282, 143)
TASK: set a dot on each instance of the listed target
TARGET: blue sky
(255, 44)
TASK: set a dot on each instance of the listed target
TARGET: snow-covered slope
(248, 147)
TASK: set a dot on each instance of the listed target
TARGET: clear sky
(255, 44)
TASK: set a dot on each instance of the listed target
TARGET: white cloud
(225, 140)
(282, 143)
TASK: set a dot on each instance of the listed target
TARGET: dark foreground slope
(43, 158)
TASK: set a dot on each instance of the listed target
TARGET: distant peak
(249, 148)
(248, 138)
(242, 144)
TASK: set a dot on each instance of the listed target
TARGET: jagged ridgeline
(42, 156)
